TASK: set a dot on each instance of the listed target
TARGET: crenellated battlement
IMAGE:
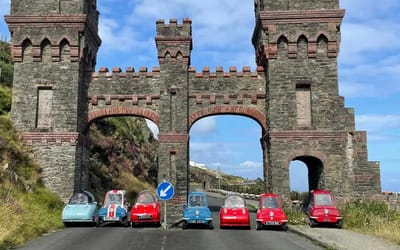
(173, 29)
(219, 72)
(129, 73)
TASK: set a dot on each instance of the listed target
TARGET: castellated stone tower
(297, 42)
(54, 47)
(174, 46)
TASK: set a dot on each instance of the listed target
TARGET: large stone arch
(255, 114)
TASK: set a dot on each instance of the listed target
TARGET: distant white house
(198, 165)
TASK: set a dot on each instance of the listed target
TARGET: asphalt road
(116, 237)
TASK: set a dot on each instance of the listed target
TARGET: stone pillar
(174, 45)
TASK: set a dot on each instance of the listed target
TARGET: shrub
(5, 99)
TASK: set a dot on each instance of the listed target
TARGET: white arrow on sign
(163, 192)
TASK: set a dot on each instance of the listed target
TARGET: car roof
(269, 195)
(197, 193)
(320, 191)
(117, 191)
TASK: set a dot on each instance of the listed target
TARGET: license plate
(199, 221)
(327, 220)
(111, 218)
(145, 216)
(271, 223)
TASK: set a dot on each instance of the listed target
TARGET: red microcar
(234, 212)
(270, 213)
(146, 209)
(322, 209)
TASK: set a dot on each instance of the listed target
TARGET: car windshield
(79, 198)
(270, 202)
(197, 201)
(323, 199)
(145, 198)
(234, 201)
(113, 198)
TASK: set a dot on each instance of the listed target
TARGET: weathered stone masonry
(292, 95)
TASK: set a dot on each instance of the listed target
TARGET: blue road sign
(165, 190)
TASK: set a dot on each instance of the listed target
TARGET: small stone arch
(322, 44)
(282, 46)
(319, 35)
(317, 164)
(45, 50)
(27, 50)
(256, 115)
(302, 46)
(65, 49)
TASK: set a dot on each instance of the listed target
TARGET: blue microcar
(115, 208)
(196, 212)
(81, 208)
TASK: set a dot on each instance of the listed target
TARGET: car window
(270, 202)
(79, 198)
(113, 198)
(145, 198)
(234, 201)
(197, 201)
(323, 200)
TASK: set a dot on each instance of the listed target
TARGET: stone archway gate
(293, 94)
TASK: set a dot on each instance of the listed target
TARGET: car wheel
(126, 222)
(210, 226)
(98, 222)
(258, 226)
(284, 227)
(339, 224)
(184, 225)
(313, 223)
(66, 224)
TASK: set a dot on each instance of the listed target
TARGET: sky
(368, 64)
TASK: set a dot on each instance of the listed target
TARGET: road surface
(110, 237)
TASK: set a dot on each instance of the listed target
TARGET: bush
(5, 99)
(360, 214)
(295, 217)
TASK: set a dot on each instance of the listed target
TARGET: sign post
(165, 191)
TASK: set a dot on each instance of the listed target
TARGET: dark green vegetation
(6, 75)
(123, 155)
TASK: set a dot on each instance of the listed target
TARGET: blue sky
(369, 72)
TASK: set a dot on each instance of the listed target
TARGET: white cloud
(205, 125)
(218, 30)
(377, 123)
(153, 127)
(251, 164)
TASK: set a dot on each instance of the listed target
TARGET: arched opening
(45, 50)
(302, 47)
(322, 45)
(282, 46)
(27, 50)
(65, 50)
(122, 154)
(306, 174)
(225, 153)
(298, 176)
